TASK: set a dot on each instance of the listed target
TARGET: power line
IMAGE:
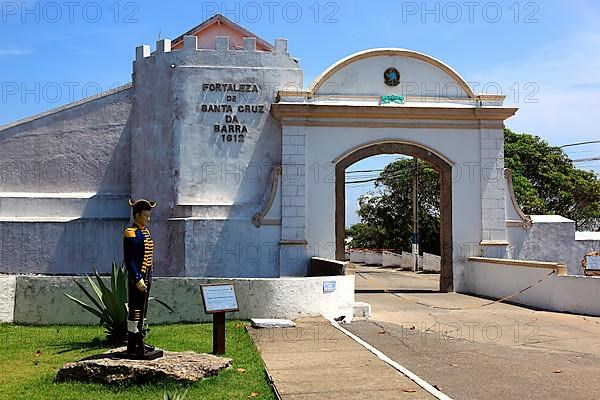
(364, 170)
(586, 159)
(578, 144)
(584, 151)
(395, 175)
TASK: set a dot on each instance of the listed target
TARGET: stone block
(298, 140)
(163, 46)
(190, 43)
(295, 222)
(249, 43)
(222, 43)
(142, 52)
(361, 309)
(271, 323)
(498, 234)
(8, 285)
(281, 46)
(111, 368)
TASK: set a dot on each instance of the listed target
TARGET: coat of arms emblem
(391, 77)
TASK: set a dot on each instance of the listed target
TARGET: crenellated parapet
(222, 54)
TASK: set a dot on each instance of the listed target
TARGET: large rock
(110, 368)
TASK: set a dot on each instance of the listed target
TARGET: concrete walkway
(315, 360)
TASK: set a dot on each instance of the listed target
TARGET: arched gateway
(384, 101)
(444, 169)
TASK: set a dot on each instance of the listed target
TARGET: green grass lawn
(30, 356)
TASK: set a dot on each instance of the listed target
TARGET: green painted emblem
(392, 99)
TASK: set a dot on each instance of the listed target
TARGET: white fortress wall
(65, 179)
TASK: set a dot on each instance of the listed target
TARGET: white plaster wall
(65, 177)
(208, 190)
(498, 281)
(461, 146)
(575, 294)
(8, 285)
(58, 247)
(82, 148)
(551, 238)
(40, 299)
(231, 248)
(417, 78)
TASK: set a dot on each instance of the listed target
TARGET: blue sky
(544, 55)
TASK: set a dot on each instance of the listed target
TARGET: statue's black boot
(141, 350)
(131, 343)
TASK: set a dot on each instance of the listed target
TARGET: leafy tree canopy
(545, 181)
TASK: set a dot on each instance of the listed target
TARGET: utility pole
(415, 237)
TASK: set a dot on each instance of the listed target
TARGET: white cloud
(566, 74)
(14, 52)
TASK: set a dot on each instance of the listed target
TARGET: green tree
(546, 181)
(386, 212)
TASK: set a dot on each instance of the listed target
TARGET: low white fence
(499, 278)
(40, 300)
(8, 285)
(391, 259)
(406, 261)
(373, 257)
(357, 256)
(431, 263)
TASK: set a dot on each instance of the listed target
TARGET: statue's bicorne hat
(141, 202)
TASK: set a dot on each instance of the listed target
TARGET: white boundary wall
(40, 300)
(8, 285)
(499, 278)
(357, 256)
(431, 263)
(373, 257)
(391, 259)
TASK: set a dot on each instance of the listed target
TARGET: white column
(493, 224)
(293, 257)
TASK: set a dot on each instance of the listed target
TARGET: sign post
(219, 298)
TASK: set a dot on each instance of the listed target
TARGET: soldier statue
(138, 251)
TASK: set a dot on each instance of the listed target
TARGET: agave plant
(111, 303)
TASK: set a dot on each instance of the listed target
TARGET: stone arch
(394, 52)
(441, 164)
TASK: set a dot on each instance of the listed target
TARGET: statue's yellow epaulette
(130, 232)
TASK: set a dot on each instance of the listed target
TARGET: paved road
(377, 278)
(494, 352)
